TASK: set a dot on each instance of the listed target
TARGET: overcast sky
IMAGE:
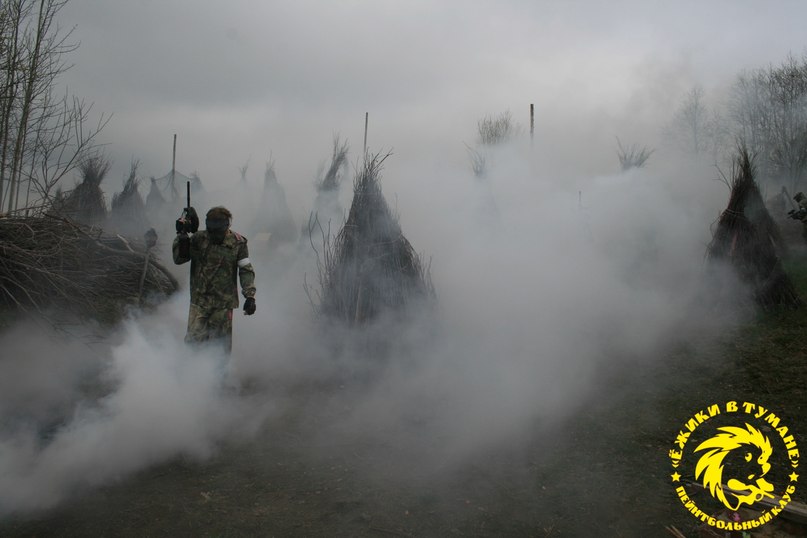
(243, 79)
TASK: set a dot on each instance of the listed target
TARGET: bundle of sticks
(51, 263)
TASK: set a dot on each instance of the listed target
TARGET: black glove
(249, 306)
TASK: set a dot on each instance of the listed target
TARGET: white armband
(243, 262)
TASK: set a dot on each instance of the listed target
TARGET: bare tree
(696, 128)
(769, 110)
(61, 142)
(690, 121)
(42, 136)
(788, 120)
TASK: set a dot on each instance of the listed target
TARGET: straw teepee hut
(747, 239)
(155, 201)
(171, 188)
(86, 203)
(326, 205)
(371, 269)
(128, 215)
(274, 216)
(166, 194)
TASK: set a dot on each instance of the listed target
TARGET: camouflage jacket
(214, 269)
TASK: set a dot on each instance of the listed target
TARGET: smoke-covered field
(576, 325)
(525, 401)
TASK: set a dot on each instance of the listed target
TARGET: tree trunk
(14, 11)
(43, 21)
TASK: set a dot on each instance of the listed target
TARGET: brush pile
(371, 269)
(155, 201)
(747, 239)
(51, 265)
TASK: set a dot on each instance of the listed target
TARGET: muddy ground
(602, 470)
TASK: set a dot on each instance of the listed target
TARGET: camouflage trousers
(210, 325)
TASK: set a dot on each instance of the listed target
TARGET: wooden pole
(174, 167)
(366, 121)
(143, 276)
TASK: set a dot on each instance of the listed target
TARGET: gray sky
(244, 79)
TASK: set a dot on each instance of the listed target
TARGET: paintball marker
(188, 222)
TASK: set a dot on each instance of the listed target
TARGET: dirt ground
(603, 471)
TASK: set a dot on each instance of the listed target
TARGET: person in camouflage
(218, 257)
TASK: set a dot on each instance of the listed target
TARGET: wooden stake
(366, 120)
(173, 167)
(143, 276)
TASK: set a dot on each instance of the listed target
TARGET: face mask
(217, 229)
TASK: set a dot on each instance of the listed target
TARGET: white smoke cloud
(538, 292)
(147, 398)
(557, 269)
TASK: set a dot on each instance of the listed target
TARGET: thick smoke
(76, 415)
(534, 300)
(562, 279)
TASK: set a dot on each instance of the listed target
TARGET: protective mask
(217, 229)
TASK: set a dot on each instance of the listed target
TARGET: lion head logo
(747, 451)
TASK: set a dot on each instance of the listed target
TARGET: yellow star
(676, 477)
(793, 477)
